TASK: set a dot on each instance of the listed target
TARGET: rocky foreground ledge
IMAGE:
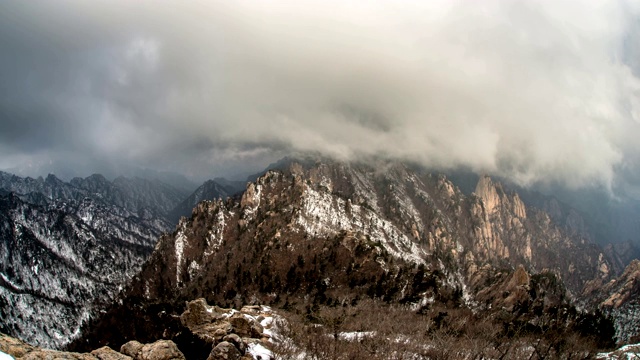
(159, 350)
(233, 335)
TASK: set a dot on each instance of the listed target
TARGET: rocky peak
(95, 183)
(209, 190)
(487, 190)
(251, 197)
(495, 198)
(340, 231)
(625, 287)
(520, 278)
(411, 216)
(53, 180)
(621, 254)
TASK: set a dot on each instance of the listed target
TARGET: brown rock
(241, 325)
(14, 347)
(251, 197)
(132, 348)
(160, 350)
(251, 309)
(225, 351)
(245, 327)
(56, 355)
(520, 278)
(237, 342)
(107, 353)
(221, 332)
(198, 313)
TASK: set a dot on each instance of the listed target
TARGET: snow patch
(180, 240)
(426, 300)
(325, 214)
(259, 352)
(216, 234)
(193, 268)
(355, 335)
(5, 356)
(627, 352)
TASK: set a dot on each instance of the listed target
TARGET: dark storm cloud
(537, 91)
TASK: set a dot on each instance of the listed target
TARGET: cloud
(542, 91)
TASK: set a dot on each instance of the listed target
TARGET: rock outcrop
(620, 299)
(209, 190)
(230, 333)
(227, 334)
(159, 350)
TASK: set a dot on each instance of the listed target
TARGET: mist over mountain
(477, 160)
(542, 95)
(543, 92)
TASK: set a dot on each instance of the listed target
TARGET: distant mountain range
(68, 247)
(319, 233)
(92, 261)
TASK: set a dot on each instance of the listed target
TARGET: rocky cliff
(326, 232)
(620, 298)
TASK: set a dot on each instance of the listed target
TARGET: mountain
(594, 214)
(325, 233)
(620, 298)
(68, 248)
(132, 194)
(622, 254)
(210, 190)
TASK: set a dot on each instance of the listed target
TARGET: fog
(543, 92)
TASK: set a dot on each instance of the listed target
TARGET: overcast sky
(537, 91)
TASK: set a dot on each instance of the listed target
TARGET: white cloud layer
(537, 91)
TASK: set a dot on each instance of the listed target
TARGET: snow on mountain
(68, 248)
(331, 232)
(209, 190)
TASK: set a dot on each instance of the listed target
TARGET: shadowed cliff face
(333, 233)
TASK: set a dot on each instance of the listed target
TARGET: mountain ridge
(68, 248)
(338, 232)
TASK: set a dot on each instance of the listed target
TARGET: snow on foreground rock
(232, 333)
(627, 352)
(248, 333)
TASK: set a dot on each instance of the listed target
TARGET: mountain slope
(132, 194)
(54, 265)
(209, 190)
(620, 298)
(67, 248)
(326, 232)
